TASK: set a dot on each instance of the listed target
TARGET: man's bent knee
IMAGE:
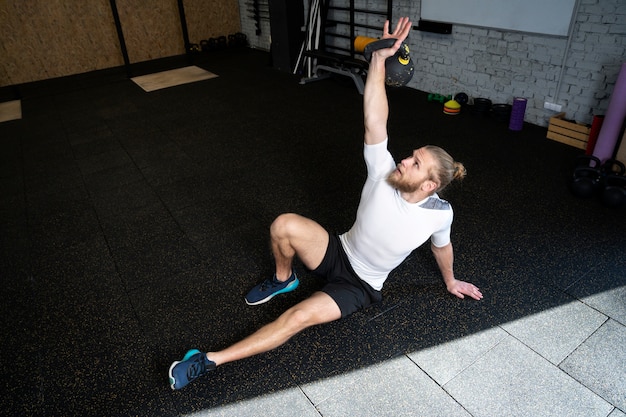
(282, 224)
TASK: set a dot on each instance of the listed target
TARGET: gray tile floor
(566, 361)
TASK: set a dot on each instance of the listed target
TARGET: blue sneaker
(264, 292)
(193, 365)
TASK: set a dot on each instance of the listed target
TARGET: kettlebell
(614, 191)
(586, 178)
(399, 68)
(613, 188)
(612, 167)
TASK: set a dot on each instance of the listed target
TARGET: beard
(397, 181)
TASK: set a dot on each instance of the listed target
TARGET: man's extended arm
(375, 106)
(445, 259)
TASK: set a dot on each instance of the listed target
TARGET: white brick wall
(249, 27)
(501, 65)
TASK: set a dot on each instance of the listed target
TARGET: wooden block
(567, 140)
(570, 133)
(577, 127)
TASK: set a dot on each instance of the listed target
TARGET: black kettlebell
(614, 191)
(399, 68)
(613, 188)
(613, 167)
(586, 178)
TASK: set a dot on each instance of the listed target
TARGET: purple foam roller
(516, 122)
(613, 119)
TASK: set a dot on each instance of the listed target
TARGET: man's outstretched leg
(291, 235)
(317, 309)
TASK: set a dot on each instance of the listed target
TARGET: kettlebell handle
(588, 161)
(399, 67)
(382, 44)
(613, 166)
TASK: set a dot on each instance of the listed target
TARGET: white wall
(248, 24)
(501, 65)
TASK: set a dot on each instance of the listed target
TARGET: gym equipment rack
(328, 47)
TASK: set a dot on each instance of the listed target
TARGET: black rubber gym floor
(132, 224)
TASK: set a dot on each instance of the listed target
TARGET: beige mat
(10, 110)
(171, 78)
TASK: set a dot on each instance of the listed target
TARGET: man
(399, 211)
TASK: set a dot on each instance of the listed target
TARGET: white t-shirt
(387, 227)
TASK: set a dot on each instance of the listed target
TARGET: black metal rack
(352, 24)
(327, 50)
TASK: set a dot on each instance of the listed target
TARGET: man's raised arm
(375, 106)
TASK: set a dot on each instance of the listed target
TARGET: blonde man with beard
(398, 212)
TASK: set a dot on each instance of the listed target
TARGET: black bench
(328, 62)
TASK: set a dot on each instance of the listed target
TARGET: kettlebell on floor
(586, 178)
(613, 188)
(607, 181)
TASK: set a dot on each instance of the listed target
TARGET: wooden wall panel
(211, 18)
(151, 29)
(52, 38)
(41, 39)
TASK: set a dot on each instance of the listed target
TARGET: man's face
(412, 172)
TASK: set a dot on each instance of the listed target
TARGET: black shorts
(343, 285)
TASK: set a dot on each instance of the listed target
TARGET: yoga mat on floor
(613, 120)
(516, 122)
(10, 110)
(171, 78)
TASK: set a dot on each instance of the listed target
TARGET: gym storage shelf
(570, 133)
